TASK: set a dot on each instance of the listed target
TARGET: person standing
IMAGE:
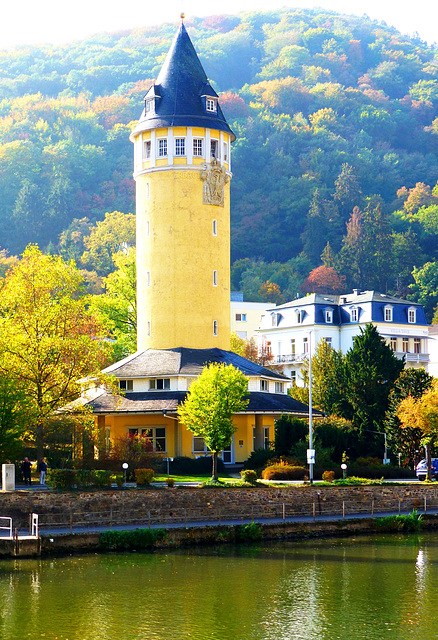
(26, 467)
(42, 468)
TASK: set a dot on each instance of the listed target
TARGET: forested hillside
(336, 155)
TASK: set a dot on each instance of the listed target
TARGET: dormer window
(412, 315)
(149, 106)
(354, 314)
(211, 105)
(274, 319)
(159, 384)
(388, 313)
(126, 385)
(300, 316)
(328, 314)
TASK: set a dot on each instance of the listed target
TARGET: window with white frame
(393, 343)
(199, 445)
(293, 377)
(329, 341)
(225, 152)
(264, 385)
(215, 327)
(328, 316)
(412, 315)
(215, 227)
(149, 106)
(417, 345)
(292, 346)
(147, 149)
(126, 385)
(388, 314)
(405, 345)
(210, 105)
(198, 147)
(240, 317)
(159, 384)
(214, 278)
(162, 147)
(278, 387)
(157, 436)
(305, 345)
(354, 315)
(266, 441)
(214, 149)
(300, 316)
(274, 319)
(180, 146)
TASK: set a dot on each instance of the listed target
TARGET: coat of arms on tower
(215, 178)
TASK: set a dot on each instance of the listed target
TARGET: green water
(369, 588)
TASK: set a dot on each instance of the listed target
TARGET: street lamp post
(125, 466)
(310, 450)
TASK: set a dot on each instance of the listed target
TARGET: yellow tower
(182, 171)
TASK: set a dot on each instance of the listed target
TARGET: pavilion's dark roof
(179, 88)
(168, 401)
(185, 362)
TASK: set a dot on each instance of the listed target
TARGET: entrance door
(228, 454)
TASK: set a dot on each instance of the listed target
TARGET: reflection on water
(369, 588)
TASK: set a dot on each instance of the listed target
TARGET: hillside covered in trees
(336, 154)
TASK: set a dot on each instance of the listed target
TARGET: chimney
(356, 292)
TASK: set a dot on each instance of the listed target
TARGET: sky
(50, 21)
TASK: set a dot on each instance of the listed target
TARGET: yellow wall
(180, 441)
(180, 254)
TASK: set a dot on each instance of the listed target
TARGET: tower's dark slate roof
(183, 361)
(168, 401)
(179, 88)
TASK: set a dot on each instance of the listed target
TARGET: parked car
(421, 469)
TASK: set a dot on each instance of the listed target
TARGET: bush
(170, 482)
(118, 479)
(369, 461)
(281, 471)
(258, 459)
(248, 532)
(328, 476)
(144, 477)
(411, 522)
(380, 471)
(249, 476)
(78, 478)
(61, 478)
(129, 540)
(184, 466)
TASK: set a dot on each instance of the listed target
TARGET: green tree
(371, 369)
(208, 409)
(115, 233)
(14, 418)
(117, 307)
(48, 338)
(407, 439)
(425, 288)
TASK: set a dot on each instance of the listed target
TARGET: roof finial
(183, 15)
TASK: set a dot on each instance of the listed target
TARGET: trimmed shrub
(249, 476)
(328, 476)
(259, 458)
(61, 478)
(283, 471)
(170, 482)
(184, 466)
(144, 477)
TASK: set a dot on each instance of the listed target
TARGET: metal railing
(6, 528)
(314, 508)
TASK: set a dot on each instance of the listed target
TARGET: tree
(115, 233)
(117, 307)
(211, 401)
(405, 439)
(422, 413)
(371, 369)
(14, 416)
(238, 345)
(327, 376)
(48, 338)
(323, 280)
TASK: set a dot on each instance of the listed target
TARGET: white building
(287, 329)
(246, 317)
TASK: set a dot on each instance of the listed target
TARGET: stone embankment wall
(181, 504)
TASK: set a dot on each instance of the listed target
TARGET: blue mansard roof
(179, 94)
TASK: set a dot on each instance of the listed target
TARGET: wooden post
(343, 508)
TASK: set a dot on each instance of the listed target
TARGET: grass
(201, 479)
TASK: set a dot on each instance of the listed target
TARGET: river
(364, 587)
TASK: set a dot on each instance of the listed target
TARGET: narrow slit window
(215, 278)
(215, 227)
